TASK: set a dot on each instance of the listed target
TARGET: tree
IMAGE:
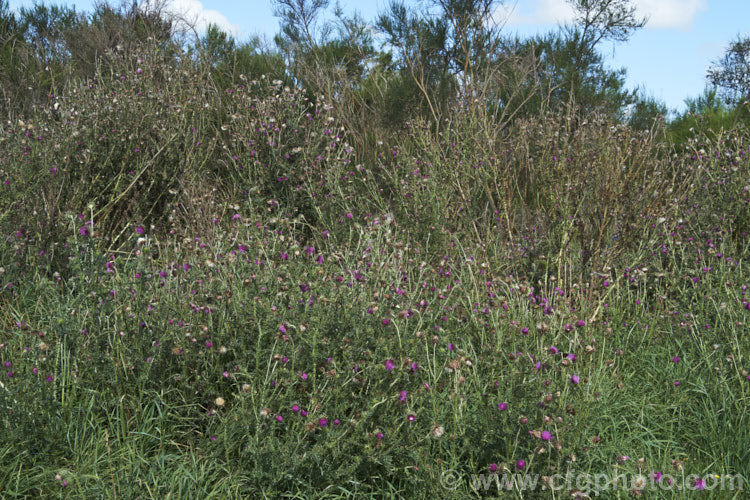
(706, 114)
(254, 59)
(299, 21)
(646, 113)
(731, 73)
(332, 59)
(8, 23)
(216, 45)
(45, 28)
(449, 48)
(572, 72)
(597, 21)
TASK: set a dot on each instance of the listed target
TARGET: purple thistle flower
(502, 406)
(389, 365)
(574, 379)
(546, 436)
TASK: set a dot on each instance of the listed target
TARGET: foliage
(600, 20)
(647, 113)
(218, 282)
(570, 75)
(731, 73)
(705, 115)
(445, 50)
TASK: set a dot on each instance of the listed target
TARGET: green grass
(242, 319)
(124, 416)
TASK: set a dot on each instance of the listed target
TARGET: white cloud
(660, 13)
(506, 14)
(670, 13)
(193, 12)
(554, 11)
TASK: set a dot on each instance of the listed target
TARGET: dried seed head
(437, 430)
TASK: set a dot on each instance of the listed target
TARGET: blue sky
(668, 58)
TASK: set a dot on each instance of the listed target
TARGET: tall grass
(209, 293)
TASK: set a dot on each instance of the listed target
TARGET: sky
(667, 59)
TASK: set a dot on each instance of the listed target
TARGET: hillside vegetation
(235, 272)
